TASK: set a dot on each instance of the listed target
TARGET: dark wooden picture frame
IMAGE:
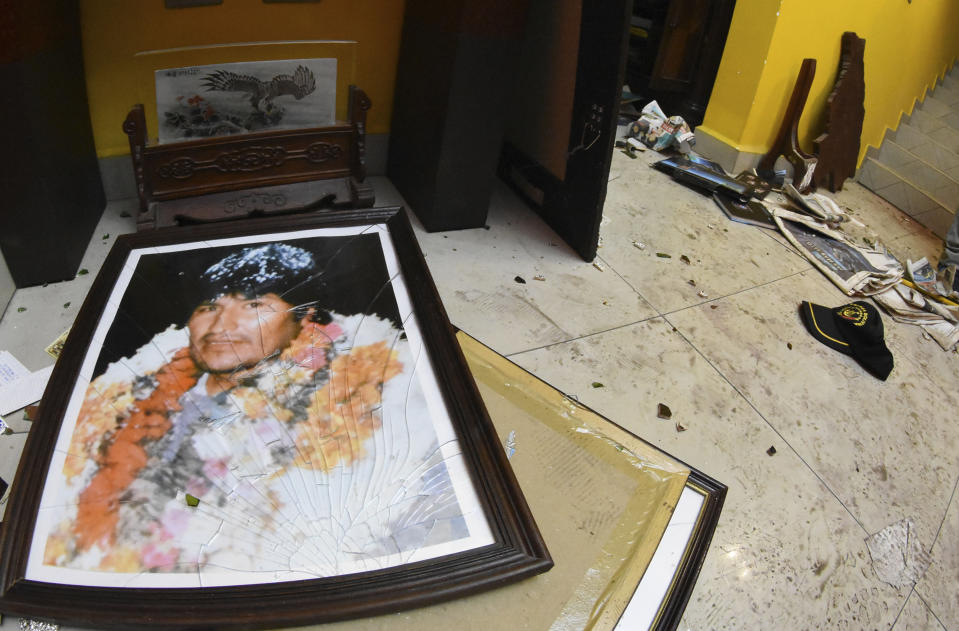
(186, 4)
(517, 551)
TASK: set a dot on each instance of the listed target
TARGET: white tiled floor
(853, 454)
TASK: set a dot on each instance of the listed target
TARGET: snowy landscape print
(237, 98)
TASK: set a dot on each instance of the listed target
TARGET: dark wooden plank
(450, 106)
(838, 147)
(50, 178)
(573, 205)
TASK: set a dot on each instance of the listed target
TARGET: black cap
(854, 329)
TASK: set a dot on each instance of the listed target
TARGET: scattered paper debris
(663, 255)
(663, 412)
(897, 556)
(771, 451)
(510, 446)
(520, 280)
(35, 625)
(23, 391)
(639, 245)
(539, 277)
(598, 266)
(11, 368)
(684, 259)
(680, 427)
(660, 132)
(4, 429)
(702, 294)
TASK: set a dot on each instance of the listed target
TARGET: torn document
(23, 391)
(11, 368)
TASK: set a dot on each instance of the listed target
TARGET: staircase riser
(905, 196)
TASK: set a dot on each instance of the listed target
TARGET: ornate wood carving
(838, 147)
(249, 160)
(135, 128)
(208, 166)
(787, 140)
(359, 105)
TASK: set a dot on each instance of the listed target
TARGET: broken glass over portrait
(255, 409)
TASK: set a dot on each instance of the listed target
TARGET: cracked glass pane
(250, 410)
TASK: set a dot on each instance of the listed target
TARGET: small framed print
(242, 97)
(258, 424)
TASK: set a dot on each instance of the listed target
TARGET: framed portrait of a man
(260, 424)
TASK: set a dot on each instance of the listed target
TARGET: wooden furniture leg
(787, 140)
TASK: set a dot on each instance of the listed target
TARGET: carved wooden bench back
(261, 159)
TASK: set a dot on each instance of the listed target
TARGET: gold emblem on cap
(856, 314)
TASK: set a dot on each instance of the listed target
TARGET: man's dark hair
(274, 268)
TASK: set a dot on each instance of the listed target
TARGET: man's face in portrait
(234, 332)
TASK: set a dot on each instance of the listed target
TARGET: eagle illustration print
(298, 85)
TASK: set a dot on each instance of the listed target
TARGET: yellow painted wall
(115, 30)
(741, 68)
(909, 46)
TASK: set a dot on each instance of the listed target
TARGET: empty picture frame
(259, 424)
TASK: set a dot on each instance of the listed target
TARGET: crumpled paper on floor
(659, 132)
(909, 306)
(858, 271)
(897, 556)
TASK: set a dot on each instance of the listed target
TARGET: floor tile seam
(735, 293)
(630, 285)
(581, 337)
(915, 590)
(945, 514)
(902, 608)
(768, 424)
